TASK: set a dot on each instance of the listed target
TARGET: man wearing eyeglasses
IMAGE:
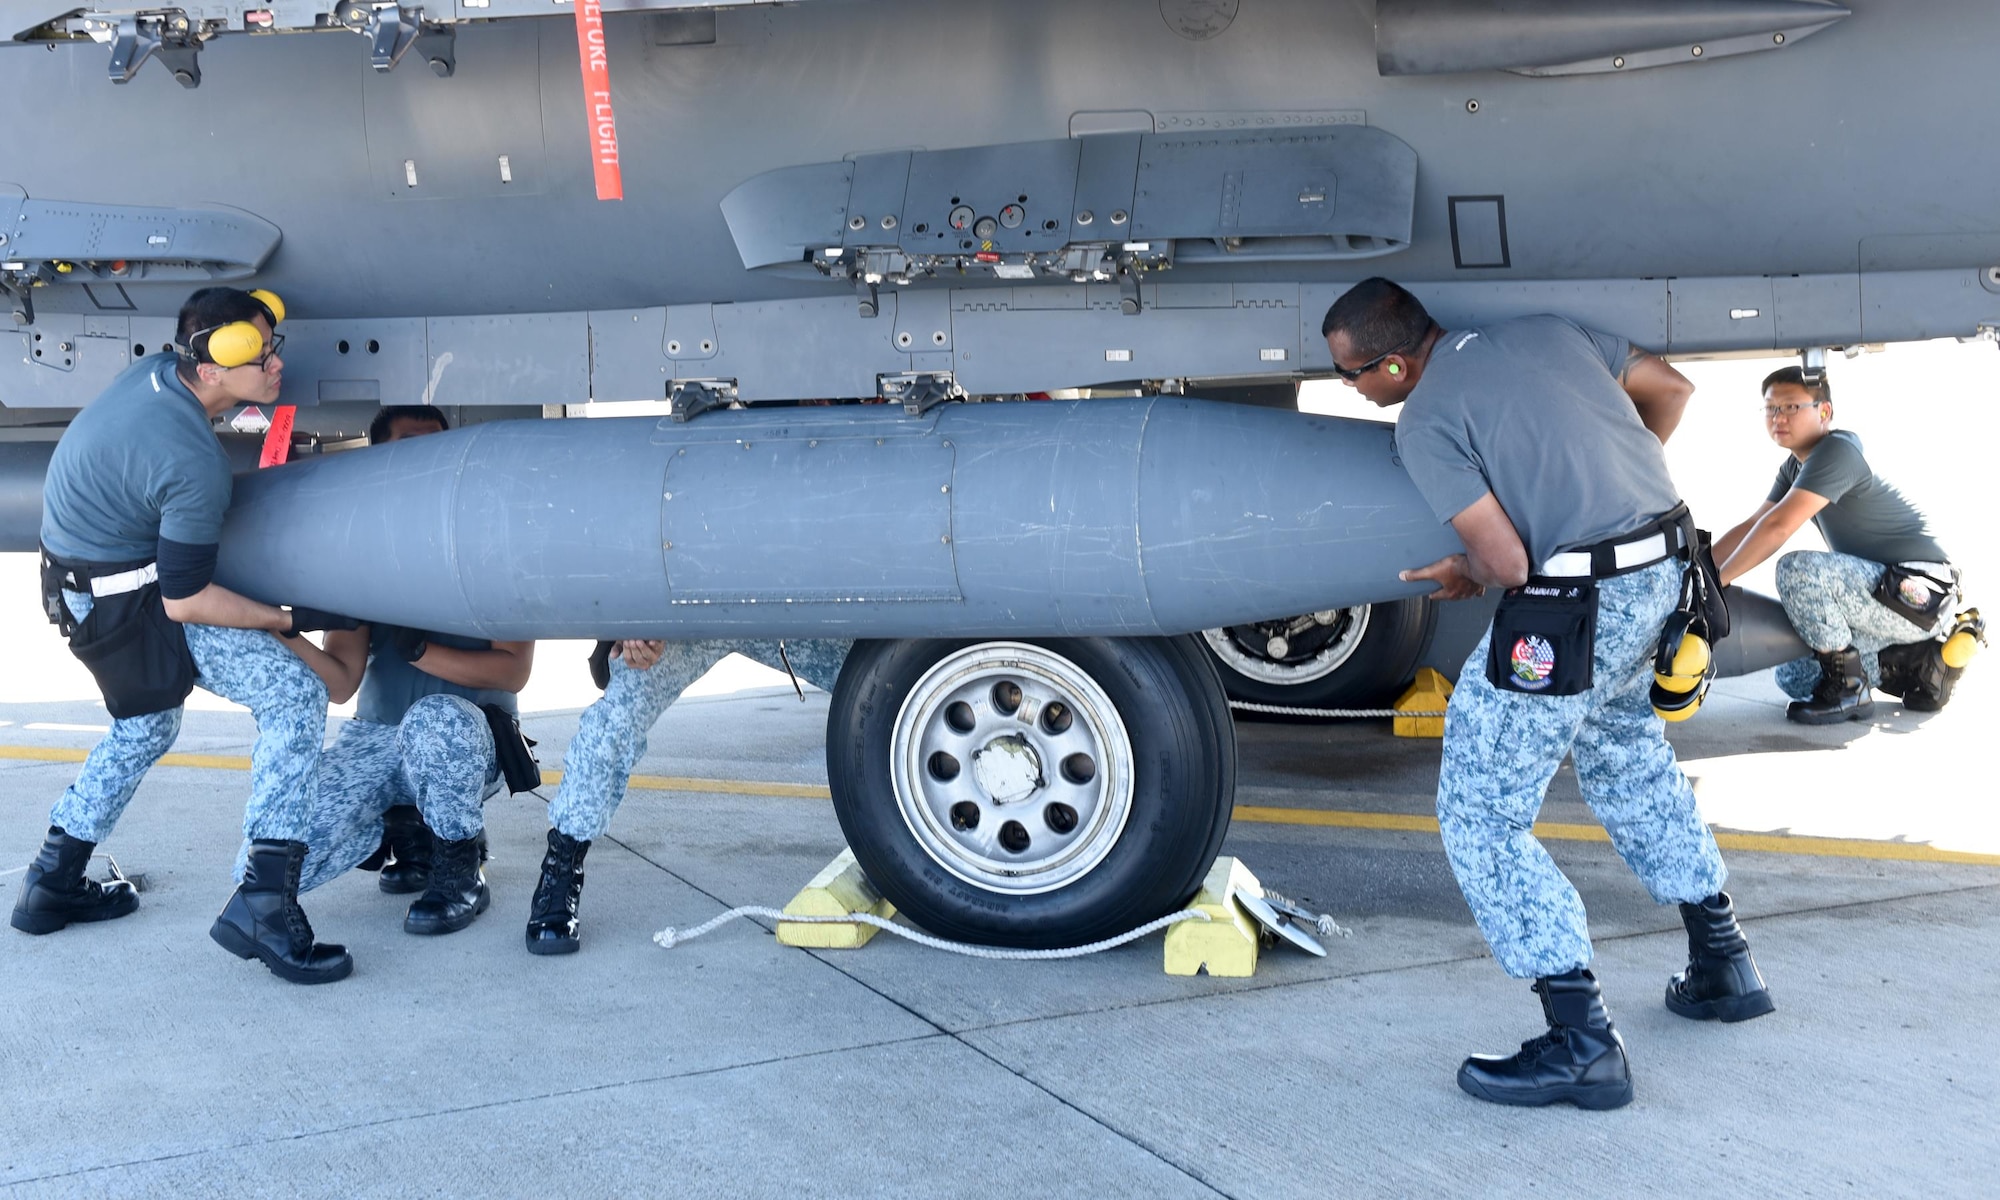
(1540, 442)
(1873, 605)
(132, 512)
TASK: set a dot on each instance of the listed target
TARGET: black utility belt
(1544, 637)
(1668, 536)
(1918, 592)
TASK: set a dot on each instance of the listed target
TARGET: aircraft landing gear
(1040, 793)
(1343, 656)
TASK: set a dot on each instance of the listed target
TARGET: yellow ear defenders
(1968, 634)
(238, 342)
(1682, 668)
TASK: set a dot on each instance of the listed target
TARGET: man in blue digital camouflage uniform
(640, 679)
(420, 741)
(133, 509)
(1539, 442)
(1859, 642)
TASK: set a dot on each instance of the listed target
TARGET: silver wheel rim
(1018, 814)
(1323, 662)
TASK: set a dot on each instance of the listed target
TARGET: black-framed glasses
(1782, 410)
(1354, 374)
(277, 342)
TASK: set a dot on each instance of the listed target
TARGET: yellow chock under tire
(1430, 692)
(1226, 944)
(839, 890)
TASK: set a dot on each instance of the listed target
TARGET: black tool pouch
(1702, 588)
(1913, 594)
(600, 665)
(513, 750)
(1544, 638)
(137, 653)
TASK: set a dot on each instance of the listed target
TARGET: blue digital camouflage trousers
(611, 734)
(439, 758)
(1502, 748)
(248, 666)
(1830, 599)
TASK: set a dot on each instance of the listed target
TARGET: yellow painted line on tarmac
(651, 783)
(213, 762)
(1763, 843)
(729, 787)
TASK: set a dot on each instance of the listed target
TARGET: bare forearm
(217, 605)
(1508, 572)
(341, 678)
(1760, 543)
(1726, 544)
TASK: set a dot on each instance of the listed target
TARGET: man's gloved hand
(309, 620)
(409, 644)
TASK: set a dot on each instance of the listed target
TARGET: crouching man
(640, 679)
(421, 738)
(1876, 609)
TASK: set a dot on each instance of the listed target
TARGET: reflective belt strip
(1639, 551)
(1646, 549)
(124, 581)
(1570, 562)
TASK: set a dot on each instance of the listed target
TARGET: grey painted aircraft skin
(927, 201)
(1822, 191)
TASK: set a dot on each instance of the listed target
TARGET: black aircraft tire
(1182, 768)
(1371, 677)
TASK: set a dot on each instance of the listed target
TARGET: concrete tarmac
(139, 1059)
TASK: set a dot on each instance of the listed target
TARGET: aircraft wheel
(1032, 793)
(1340, 658)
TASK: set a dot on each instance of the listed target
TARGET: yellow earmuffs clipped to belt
(1683, 667)
(238, 342)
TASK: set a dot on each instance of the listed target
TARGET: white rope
(670, 937)
(1330, 714)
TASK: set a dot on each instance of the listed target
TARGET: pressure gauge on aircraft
(961, 217)
(985, 227)
(1012, 216)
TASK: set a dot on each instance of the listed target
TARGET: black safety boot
(55, 891)
(263, 919)
(552, 915)
(1842, 693)
(1580, 1059)
(408, 840)
(1921, 672)
(1721, 982)
(457, 891)
(1902, 666)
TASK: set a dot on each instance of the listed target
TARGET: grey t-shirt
(139, 464)
(1864, 516)
(1531, 410)
(389, 686)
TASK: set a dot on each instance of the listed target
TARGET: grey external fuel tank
(1082, 518)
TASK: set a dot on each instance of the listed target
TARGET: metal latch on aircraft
(689, 398)
(918, 392)
(169, 34)
(393, 29)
